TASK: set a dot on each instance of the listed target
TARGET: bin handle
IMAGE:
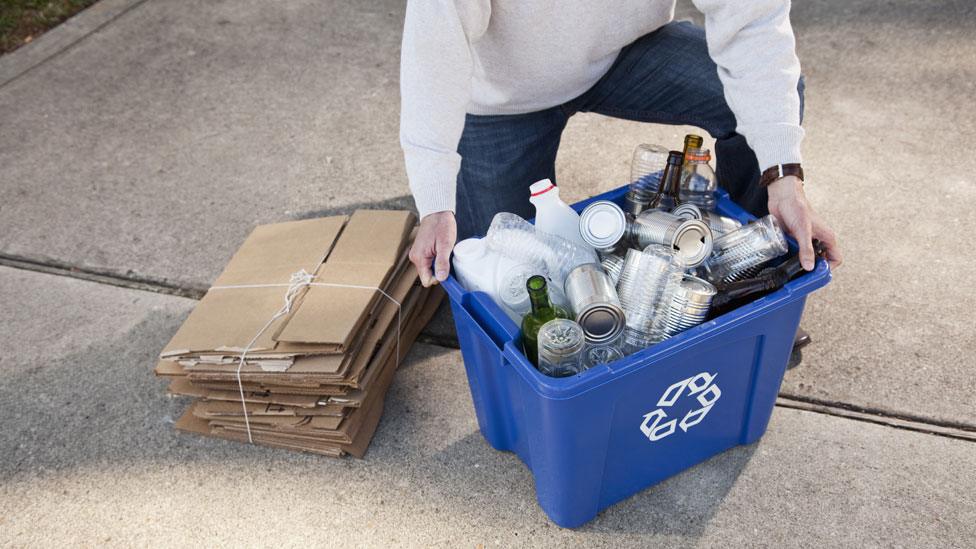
(490, 318)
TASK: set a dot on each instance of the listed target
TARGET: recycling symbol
(654, 425)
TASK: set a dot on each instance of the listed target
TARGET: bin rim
(593, 378)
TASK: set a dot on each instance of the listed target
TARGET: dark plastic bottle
(735, 294)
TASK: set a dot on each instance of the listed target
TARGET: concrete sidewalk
(140, 142)
(90, 458)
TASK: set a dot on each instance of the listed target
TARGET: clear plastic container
(741, 253)
(646, 170)
(647, 283)
(514, 237)
(594, 355)
(698, 181)
(561, 345)
(612, 264)
(511, 291)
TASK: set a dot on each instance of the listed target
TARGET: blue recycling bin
(596, 438)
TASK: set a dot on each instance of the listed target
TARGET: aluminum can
(595, 303)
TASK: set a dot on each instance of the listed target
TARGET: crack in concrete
(897, 420)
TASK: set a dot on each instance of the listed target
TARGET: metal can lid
(697, 290)
(692, 242)
(602, 224)
(687, 211)
(601, 322)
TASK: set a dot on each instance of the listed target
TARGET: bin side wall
(592, 443)
(485, 367)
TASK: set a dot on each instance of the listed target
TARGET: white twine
(300, 279)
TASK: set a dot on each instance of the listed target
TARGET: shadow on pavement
(103, 408)
(402, 202)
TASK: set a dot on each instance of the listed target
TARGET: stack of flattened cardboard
(314, 377)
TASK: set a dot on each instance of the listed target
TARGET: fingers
(804, 237)
(442, 265)
(831, 247)
(421, 259)
(435, 240)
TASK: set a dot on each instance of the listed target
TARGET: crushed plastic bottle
(514, 237)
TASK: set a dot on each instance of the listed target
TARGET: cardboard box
(315, 378)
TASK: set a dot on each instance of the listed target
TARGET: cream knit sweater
(516, 56)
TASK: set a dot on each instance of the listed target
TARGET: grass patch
(24, 20)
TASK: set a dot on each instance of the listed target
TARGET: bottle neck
(692, 141)
(672, 175)
(543, 191)
(539, 298)
(698, 156)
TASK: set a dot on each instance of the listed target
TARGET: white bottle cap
(540, 188)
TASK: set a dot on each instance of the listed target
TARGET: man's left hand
(789, 204)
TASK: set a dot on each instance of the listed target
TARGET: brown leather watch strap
(780, 171)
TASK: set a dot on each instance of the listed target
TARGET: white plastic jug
(480, 269)
(554, 216)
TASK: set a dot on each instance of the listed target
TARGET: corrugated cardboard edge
(360, 444)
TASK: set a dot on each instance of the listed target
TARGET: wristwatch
(780, 171)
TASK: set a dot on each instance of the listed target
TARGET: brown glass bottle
(667, 196)
(692, 141)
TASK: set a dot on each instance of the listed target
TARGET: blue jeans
(665, 77)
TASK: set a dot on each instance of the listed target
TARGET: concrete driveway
(141, 141)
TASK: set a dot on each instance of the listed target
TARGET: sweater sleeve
(435, 88)
(753, 45)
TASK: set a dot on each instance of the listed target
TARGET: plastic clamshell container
(598, 437)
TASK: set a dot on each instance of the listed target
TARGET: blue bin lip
(571, 387)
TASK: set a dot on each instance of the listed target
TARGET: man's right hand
(435, 240)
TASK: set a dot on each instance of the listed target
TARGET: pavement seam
(72, 44)
(892, 415)
(132, 282)
(949, 429)
(967, 434)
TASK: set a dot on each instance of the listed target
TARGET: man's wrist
(784, 188)
(438, 214)
(780, 171)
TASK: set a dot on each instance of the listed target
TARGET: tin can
(689, 305)
(719, 224)
(690, 239)
(602, 225)
(594, 302)
(688, 211)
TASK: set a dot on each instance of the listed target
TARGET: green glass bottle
(542, 311)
